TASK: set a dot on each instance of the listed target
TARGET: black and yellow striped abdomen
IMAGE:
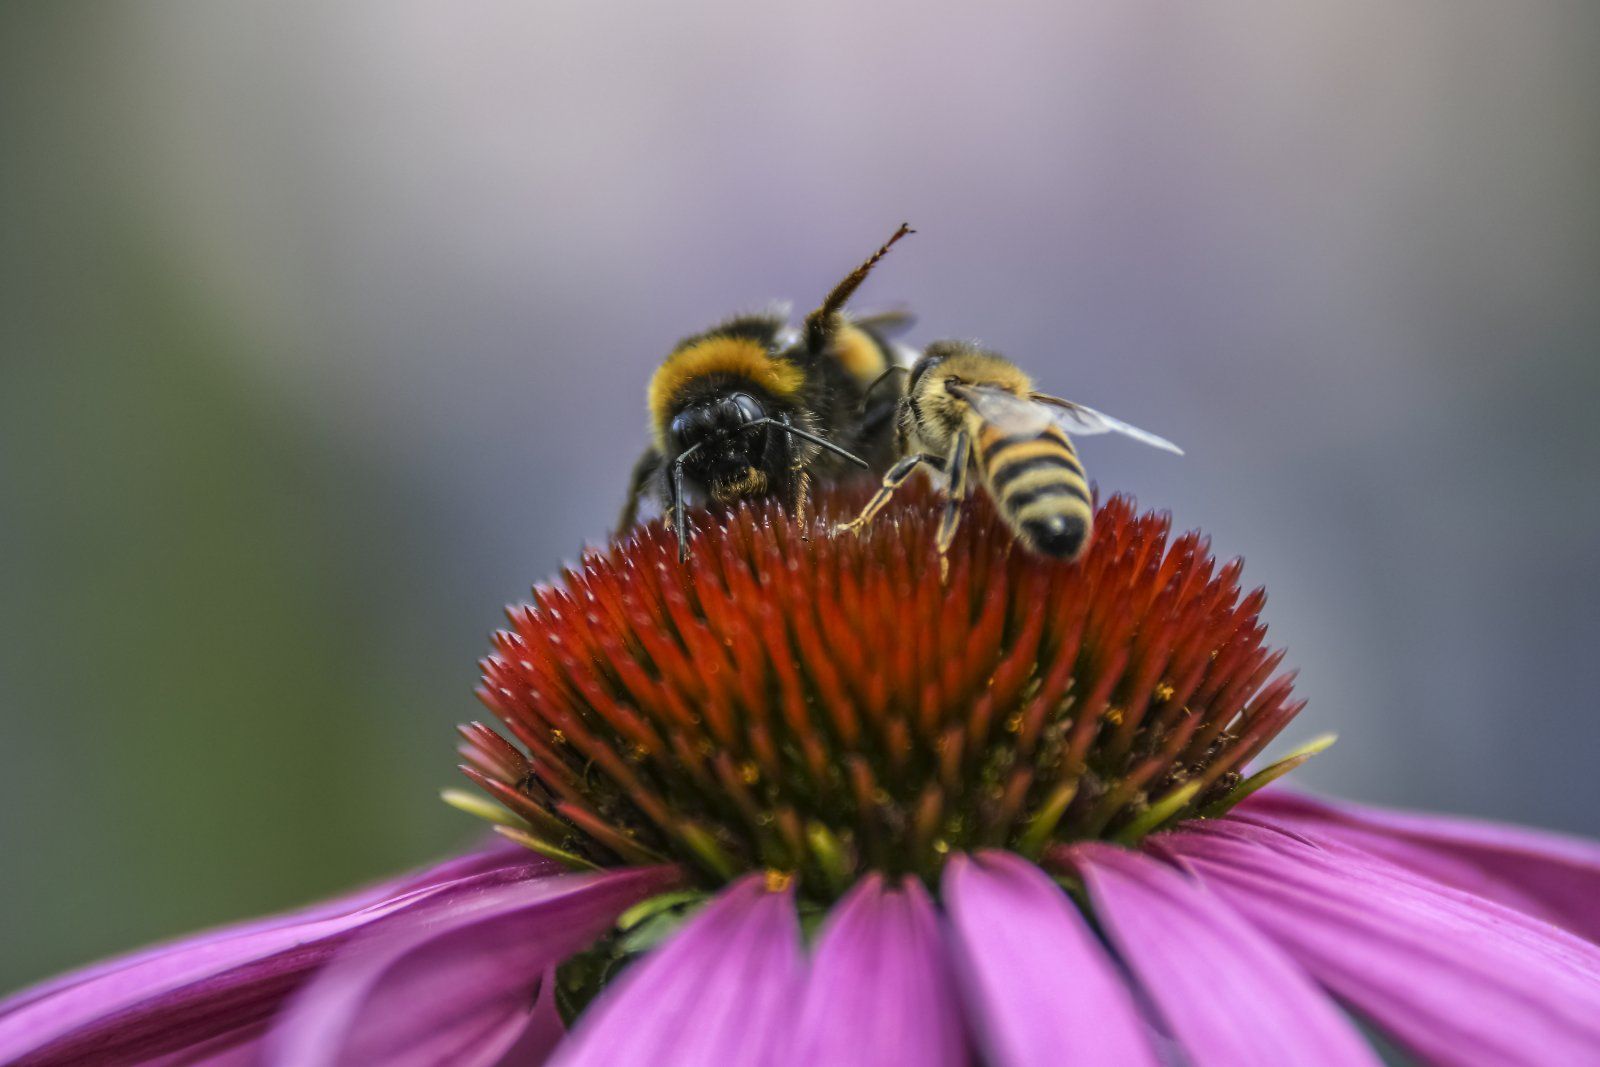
(1039, 487)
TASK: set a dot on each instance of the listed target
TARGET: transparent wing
(1003, 409)
(885, 323)
(1075, 418)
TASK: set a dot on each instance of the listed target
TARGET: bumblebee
(752, 408)
(973, 415)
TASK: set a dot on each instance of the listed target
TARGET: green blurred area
(200, 698)
(205, 704)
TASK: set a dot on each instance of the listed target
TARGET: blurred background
(325, 330)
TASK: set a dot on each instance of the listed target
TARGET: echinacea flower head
(802, 801)
(827, 708)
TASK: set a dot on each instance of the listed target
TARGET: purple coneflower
(798, 802)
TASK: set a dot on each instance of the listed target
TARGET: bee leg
(800, 487)
(677, 510)
(893, 480)
(675, 495)
(960, 468)
(643, 471)
(802, 498)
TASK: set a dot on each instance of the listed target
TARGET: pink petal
(1554, 877)
(226, 1051)
(1456, 979)
(1229, 996)
(545, 1031)
(457, 986)
(881, 989)
(725, 989)
(218, 989)
(1039, 987)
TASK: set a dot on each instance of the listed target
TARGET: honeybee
(752, 408)
(973, 414)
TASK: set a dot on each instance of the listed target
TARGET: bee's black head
(715, 419)
(727, 441)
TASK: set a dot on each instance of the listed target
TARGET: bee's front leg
(893, 480)
(800, 500)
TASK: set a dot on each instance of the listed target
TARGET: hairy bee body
(1031, 472)
(861, 396)
(752, 408)
(974, 415)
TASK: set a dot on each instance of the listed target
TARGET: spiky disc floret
(827, 706)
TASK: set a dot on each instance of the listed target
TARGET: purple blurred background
(327, 325)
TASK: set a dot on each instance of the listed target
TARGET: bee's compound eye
(690, 425)
(747, 407)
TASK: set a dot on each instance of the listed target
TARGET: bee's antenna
(813, 438)
(822, 323)
(896, 369)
